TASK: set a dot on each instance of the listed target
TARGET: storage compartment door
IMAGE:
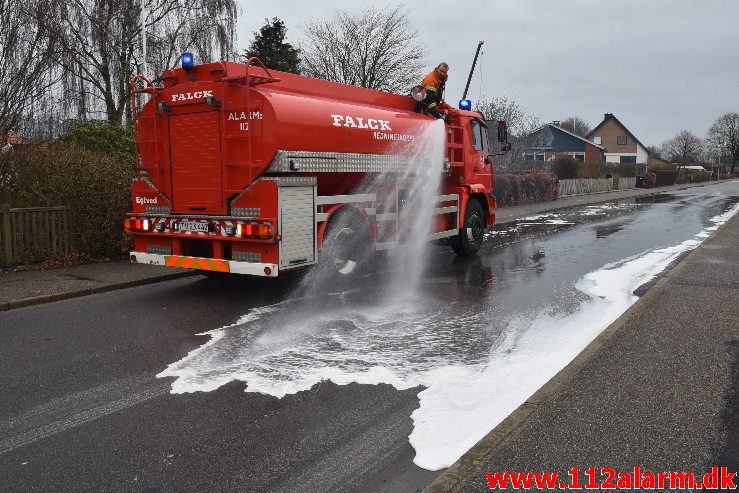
(195, 152)
(297, 226)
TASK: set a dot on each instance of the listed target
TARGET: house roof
(15, 139)
(658, 159)
(611, 116)
(569, 133)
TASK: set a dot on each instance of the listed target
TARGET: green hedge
(568, 168)
(96, 185)
(525, 187)
(101, 137)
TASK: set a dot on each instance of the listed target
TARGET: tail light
(254, 230)
(137, 224)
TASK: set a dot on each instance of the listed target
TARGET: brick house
(621, 146)
(13, 141)
(552, 142)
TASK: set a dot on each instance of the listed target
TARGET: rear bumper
(217, 265)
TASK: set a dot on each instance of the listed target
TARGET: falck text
(382, 128)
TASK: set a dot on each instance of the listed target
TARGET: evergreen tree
(269, 45)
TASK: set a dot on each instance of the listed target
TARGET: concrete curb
(48, 298)
(472, 462)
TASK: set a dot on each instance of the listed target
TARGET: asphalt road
(82, 409)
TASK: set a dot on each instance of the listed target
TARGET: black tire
(469, 239)
(347, 244)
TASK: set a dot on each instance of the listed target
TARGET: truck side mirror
(502, 131)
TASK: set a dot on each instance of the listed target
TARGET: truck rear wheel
(346, 243)
(469, 239)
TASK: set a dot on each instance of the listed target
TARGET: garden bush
(525, 187)
(697, 177)
(97, 186)
(101, 137)
(566, 168)
(650, 180)
(590, 169)
(621, 169)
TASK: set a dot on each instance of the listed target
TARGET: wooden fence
(582, 186)
(34, 234)
(626, 183)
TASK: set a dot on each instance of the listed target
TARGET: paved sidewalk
(658, 389)
(32, 287)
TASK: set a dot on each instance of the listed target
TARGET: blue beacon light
(188, 60)
(465, 104)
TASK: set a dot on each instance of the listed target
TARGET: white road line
(67, 412)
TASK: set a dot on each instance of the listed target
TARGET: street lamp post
(718, 175)
(143, 37)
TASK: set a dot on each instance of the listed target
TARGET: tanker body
(245, 170)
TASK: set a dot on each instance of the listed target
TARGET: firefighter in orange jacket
(434, 84)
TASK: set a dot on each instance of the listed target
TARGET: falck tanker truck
(247, 170)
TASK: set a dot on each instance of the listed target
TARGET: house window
(534, 156)
(621, 140)
(598, 139)
(628, 159)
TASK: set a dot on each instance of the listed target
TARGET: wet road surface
(82, 408)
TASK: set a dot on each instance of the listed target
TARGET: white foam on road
(599, 209)
(463, 404)
(473, 379)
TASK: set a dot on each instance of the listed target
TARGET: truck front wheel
(469, 239)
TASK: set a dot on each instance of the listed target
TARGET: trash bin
(639, 182)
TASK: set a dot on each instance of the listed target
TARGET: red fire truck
(246, 170)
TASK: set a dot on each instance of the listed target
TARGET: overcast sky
(660, 66)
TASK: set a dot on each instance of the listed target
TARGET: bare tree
(577, 126)
(723, 138)
(375, 48)
(684, 148)
(99, 41)
(654, 151)
(521, 127)
(25, 58)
